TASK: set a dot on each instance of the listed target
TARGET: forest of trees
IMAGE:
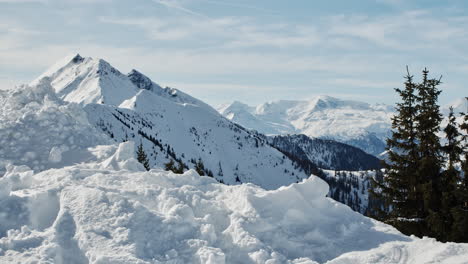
(425, 189)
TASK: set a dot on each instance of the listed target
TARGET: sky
(245, 50)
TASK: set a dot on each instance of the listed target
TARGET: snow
(90, 213)
(194, 132)
(88, 80)
(71, 193)
(458, 105)
(41, 131)
(63, 129)
(356, 123)
(359, 124)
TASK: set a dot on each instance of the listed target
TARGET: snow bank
(38, 130)
(97, 213)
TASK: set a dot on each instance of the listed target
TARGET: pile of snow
(39, 130)
(96, 213)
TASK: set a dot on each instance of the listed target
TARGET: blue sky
(251, 51)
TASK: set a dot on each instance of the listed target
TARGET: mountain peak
(140, 80)
(88, 80)
(104, 68)
(238, 104)
(234, 106)
(77, 58)
(322, 102)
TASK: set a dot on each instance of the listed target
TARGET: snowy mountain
(87, 80)
(346, 169)
(71, 190)
(458, 105)
(355, 123)
(110, 210)
(170, 124)
(326, 154)
(50, 127)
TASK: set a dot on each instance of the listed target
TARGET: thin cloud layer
(241, 45)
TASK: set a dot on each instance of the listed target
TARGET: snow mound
(39, 130)
(93, 214)
(123, 159)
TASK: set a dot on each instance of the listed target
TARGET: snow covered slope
(115, 212)
(170, 124)
(358, 124)
(326, 154)
(188, 133)
(175, 95)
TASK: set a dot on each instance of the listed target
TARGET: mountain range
(71, 190)
(81, 102)
(169, 124)
(355, 123)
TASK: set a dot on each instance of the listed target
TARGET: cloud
(172, 44)
(409, 30)
(363, 83)
(232, 32)
(240, 6)
(175, 4)
(23, 1)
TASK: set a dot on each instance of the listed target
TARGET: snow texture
(96, 213)
(41, 131)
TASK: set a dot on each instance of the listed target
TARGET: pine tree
(431, 161)
(236, 173)
(200, 167)
(142, 158)
(398, 190)
(170, 166)
(220, 170)
(180, 168)
(442, 226)
(460, 211)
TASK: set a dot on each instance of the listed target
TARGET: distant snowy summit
(356, 123)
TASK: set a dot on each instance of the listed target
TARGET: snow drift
(97, 213)
(41, 131)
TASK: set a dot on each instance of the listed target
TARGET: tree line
(424, 191)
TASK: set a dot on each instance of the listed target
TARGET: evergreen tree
(453, 149)
(142, 158)
(220, 170)
(460, 211)
(170, 166)
(398, 191)
(200, 167)
(429, 173)
(236, 173)
(441, 222)
(180, 168)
